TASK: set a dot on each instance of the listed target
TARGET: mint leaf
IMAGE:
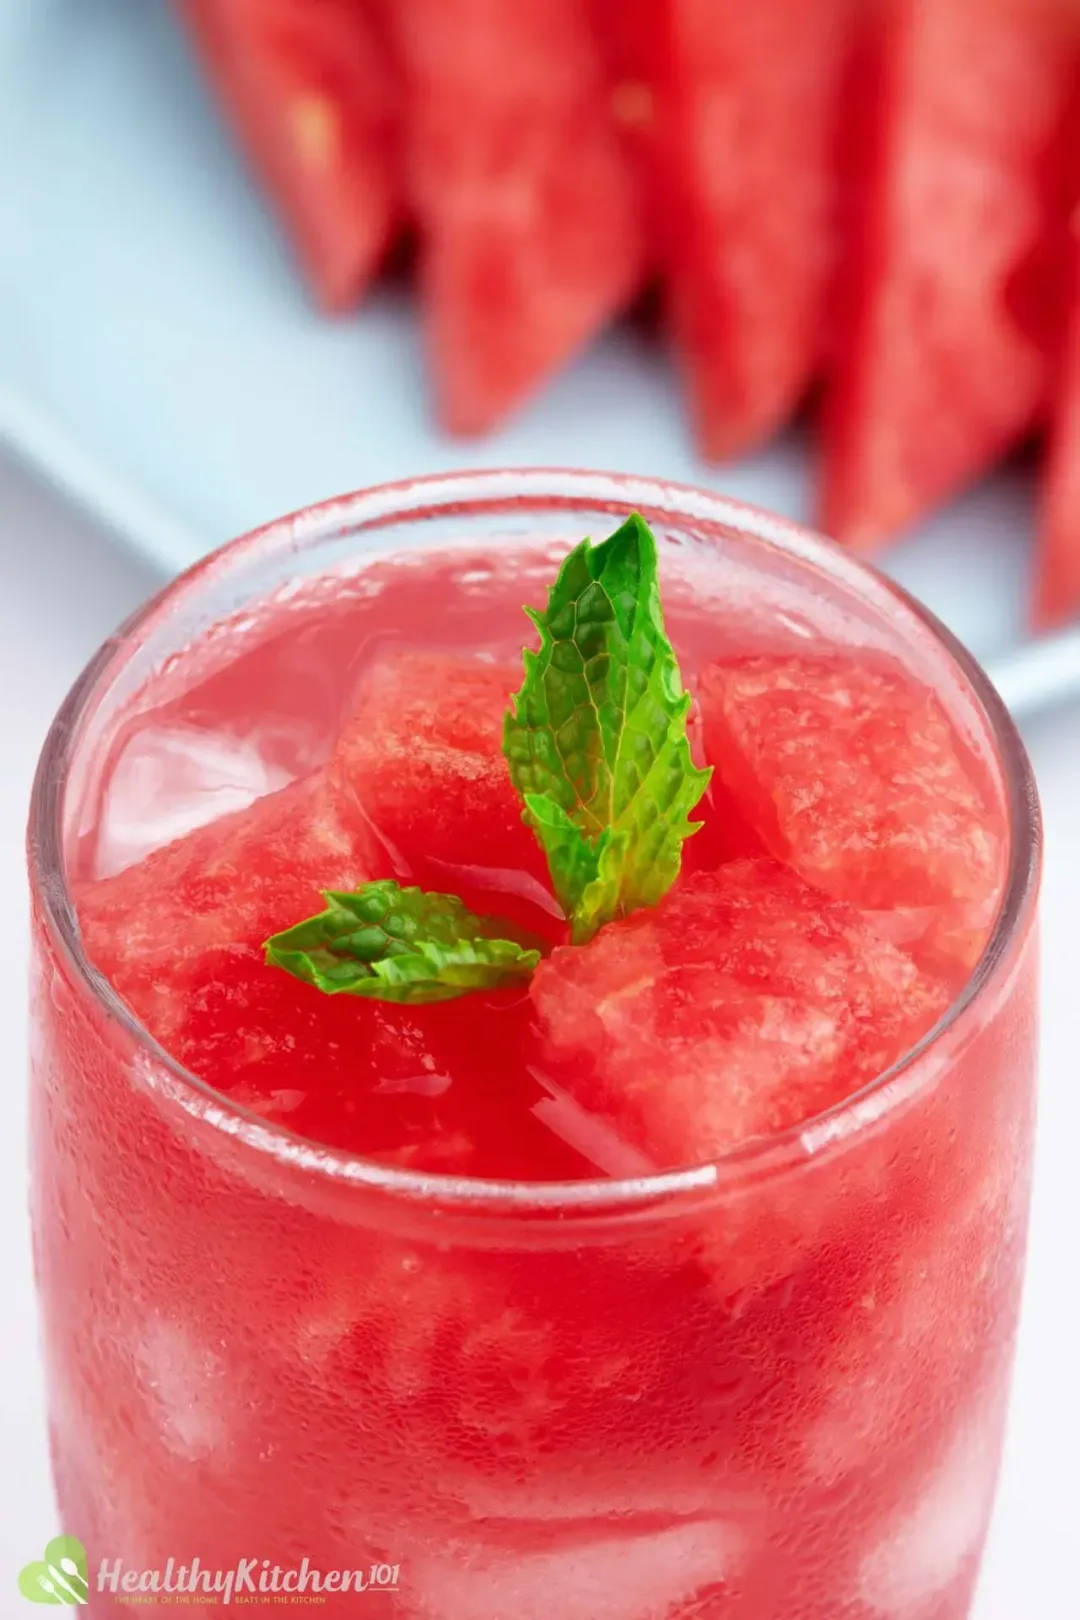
(587, 876)
(596, 737)
(597, 748)
(405, 945)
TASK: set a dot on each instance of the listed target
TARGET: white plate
(158, 359)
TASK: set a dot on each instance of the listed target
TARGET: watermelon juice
(674, 1274)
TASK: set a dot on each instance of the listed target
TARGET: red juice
(679, 1281)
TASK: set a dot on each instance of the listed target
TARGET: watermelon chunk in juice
(744, 1003)
(180, 936)
(154, 927)
(851, 771)
(410, 1087)
(530, 238)
(949, 289)
(419, 765)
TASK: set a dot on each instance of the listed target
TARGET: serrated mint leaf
(587, 874)
(390, 943)
(596, 737)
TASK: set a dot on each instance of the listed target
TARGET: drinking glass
(770, 1387)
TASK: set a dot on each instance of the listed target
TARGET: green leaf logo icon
(62, 1576)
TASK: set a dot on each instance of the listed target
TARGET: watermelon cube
(527, 212)
(179, 935)
(1057, 590)
(408, 1087)
(949, 291)
(223, 888)
(741, 1005)
(308, 87)
(747, 108)
(420, 765)
(851, 771)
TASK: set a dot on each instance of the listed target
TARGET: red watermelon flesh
(852, 772)
(943, 329)
(633, 41)
(741, 1005)
(748, 107)
(420, 766)
(309, 89)
(1057, 589)
(179, 936)
(411, 1087)
(527, 211)
(225, 887)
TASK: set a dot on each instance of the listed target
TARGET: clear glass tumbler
(771, 1387)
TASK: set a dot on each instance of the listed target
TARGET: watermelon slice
(744, 1003)
(420, 765)
(852, 773)
(630, 36)
(527, 210)
(948, 289)
(308, 87)
(1057, 590)
(748, 100)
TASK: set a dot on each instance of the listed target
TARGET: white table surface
(63, 587)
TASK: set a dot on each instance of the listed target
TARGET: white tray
(159, 362)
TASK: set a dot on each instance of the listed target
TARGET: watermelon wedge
(949, 287)
(530, 235)
(1057, 586)
(308, 88)
(748, 105)
(631, 36)
(728, 118)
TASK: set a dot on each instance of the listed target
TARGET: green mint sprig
(596, 738)
(393, 944)
(597, 748)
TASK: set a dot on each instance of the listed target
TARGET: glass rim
(521, 489)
